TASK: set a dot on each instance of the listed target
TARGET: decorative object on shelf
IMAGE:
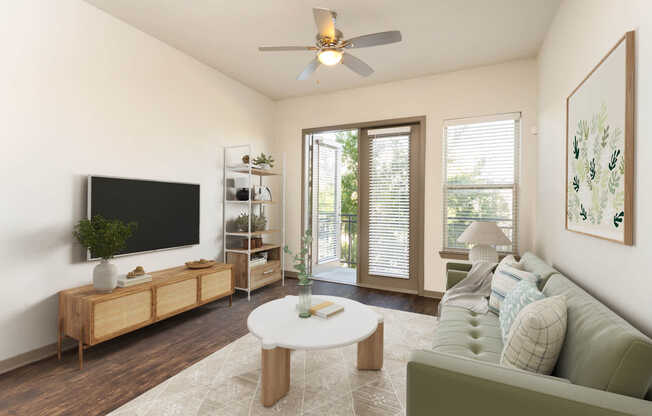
(600, 148)
(256, 242)
(484, 235)
(242, 186)
(301, 263)
(263, 161)
(138, 271)
(245, 159)
(126, 281)
(104, 238)
(200, 264)
(262, 193)
(258, 222)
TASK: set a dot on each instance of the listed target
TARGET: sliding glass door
(388, 176)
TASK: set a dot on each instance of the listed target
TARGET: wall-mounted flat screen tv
(167, 213)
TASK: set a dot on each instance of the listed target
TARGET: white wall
(581, 34)
(487, 90)
(84, 93)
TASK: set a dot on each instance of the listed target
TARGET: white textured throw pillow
(536, 336)
(507, 275)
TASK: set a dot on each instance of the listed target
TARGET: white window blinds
(389, 203)
(327, 194)
(481, 176)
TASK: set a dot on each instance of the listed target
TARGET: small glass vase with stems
(301, 264)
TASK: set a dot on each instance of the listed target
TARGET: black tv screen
(167, 213)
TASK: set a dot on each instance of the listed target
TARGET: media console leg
(275, 375)
(370, 350)
(230, 301)
(59, 339)
(80, 347)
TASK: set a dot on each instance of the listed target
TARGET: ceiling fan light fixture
(330, 57)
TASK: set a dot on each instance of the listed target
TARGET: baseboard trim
(291, 274)
(388, 289)
(34, 355)
(432, 294)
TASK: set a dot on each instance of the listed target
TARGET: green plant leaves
(576, 183)
(104, 238)
(576, 148)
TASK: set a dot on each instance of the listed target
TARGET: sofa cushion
(533, 264)
(505, 278)
(601, 349)
(524, 293)
(468, 334)
(537, 336)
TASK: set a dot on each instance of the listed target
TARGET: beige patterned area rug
(322, 382)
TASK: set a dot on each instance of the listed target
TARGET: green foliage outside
(468, 205)
(104, 238)
(348, 141)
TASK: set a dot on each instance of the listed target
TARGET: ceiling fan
(330, 47)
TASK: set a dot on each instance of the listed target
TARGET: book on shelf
(124, 281)
(324, 309)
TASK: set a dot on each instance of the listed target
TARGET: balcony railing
(349, 240)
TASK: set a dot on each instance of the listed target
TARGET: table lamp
(485, 236)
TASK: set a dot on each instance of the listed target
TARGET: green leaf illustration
(618, 218)
(592, 169)
(576, 184)
(583, 212)
(614, 159)
(605, 137)
(576, 148)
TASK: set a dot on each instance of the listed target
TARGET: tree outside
(348, 140)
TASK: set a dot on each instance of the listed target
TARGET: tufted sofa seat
(468, 334)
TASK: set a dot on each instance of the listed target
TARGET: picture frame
(599, 181)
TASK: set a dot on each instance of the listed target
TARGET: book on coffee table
(325, 309)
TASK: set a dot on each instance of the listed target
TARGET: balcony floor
(337, 275)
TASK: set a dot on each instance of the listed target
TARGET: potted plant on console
(104, 238)
(301, 262)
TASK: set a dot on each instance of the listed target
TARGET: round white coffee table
(278, 326)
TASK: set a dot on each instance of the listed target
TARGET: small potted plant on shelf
(301, 264)
(258, 222)
(104, 238)
(263, 161)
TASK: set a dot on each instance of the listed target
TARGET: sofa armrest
(439, 383)
(455, 272)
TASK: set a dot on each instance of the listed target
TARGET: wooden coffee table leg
(370, 351)
(275, 375)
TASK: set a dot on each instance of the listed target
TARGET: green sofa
(605, 366)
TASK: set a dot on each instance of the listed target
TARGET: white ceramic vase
(105, 276)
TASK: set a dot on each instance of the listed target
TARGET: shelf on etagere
(265, 247)
(253, 233)
(233, 201)
(254, 171)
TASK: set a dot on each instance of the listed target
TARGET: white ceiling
(438, 36)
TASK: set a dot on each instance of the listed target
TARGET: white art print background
(595, 177)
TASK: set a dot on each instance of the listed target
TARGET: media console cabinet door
(175, 297)
(117, 315)
(216, 284)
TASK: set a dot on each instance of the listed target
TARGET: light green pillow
(524, 293)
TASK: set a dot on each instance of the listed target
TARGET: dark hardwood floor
(123, 368)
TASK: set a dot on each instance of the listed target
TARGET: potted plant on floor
(301, 264)
(104, 238)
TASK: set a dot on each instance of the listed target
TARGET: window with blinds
(327, 204)
(389, 203)
(481, 176)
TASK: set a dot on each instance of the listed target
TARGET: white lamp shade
(480, 232)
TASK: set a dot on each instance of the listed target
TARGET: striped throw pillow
(537, 336)
(506, 277)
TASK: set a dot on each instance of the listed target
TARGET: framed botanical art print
(600, 148)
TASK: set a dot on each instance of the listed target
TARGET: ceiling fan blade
(325, 20)
(312, 67)
(375, 39)
(287, 48)
(356, 65)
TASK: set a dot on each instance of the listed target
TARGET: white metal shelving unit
(234, 168)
